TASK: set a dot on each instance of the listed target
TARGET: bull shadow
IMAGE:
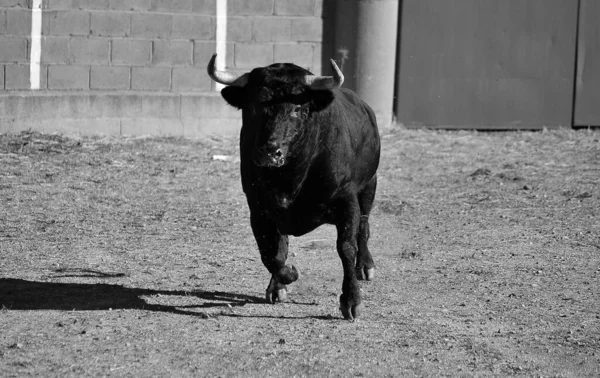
(19, 294)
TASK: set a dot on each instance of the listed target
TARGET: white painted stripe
(221, 37)
(36, 44)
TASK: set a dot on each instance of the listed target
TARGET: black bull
(309, 156)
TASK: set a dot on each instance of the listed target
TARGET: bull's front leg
(273, 247)
(347, 231)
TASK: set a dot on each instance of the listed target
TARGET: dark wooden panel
(487, 63)
(587, 100)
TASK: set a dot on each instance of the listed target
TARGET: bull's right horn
(224, 77)
(326, 82)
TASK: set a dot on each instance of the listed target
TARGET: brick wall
(153, 45)
(150, 48)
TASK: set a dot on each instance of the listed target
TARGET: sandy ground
(134, 257)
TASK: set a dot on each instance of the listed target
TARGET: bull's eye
(296, 111)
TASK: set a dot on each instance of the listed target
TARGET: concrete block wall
(100, 50)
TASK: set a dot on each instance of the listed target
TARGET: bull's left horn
(224, 77)
(326, 82)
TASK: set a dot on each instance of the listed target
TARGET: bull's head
(276, 101)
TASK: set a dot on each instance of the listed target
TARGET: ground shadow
(18, 294)
(317, 317)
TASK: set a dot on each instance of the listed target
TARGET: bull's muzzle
(270, 156)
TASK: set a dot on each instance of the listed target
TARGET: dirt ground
(134, 257)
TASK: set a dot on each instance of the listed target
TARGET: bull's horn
(224, 77)
(326, 82)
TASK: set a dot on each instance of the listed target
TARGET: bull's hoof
(365, 273)
(351, 313)
(276, 296)
(276, 292)
(287, 275)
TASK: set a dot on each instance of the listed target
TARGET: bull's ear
(235, 96)
(319, 100)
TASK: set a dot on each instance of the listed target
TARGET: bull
(309, 156)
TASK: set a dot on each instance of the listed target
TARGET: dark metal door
(487, 64)
(587, 95)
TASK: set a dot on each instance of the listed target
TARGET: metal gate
(493, 64)
(587, 94)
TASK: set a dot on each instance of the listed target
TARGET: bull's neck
(287, 181)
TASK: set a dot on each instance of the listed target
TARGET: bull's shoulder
(348, 96)
(349, 110)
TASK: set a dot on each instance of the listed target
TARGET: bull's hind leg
(273, 247)
(365, 267)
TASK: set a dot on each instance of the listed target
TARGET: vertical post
(36, 44)
(365, 41)
(579, 60)
(221, 38)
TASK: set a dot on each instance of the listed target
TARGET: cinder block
(161, 105)
(193, 27)
(309, 29)
(207, 114)
(114, 105)
(46, 22)
(85, 50)
(316, 67)
(206, 106)
(18, 22)
(2, 22)
(318, 10)
(17, 77)
(190, 79)
(136, 52)
(250, 8)
(218, 126)
(152, 126)
(64, 126)
(130, 5)
(269, 29)
(172, 53)
(75, 22)
(59, 4)
(239, 29)
(77, 4)
(151, 78)
(150, 25)
(172, 6)
(298, 53)
(69, 77)
(294, 7)
(204, 7)
(55, 50)
(108, 77)
(43, 76)
(203, 50)
(91, 105)
(113, 24)
(19, 106)
(15, 3)
(14, 49)
(251, 55)
(15, 105)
